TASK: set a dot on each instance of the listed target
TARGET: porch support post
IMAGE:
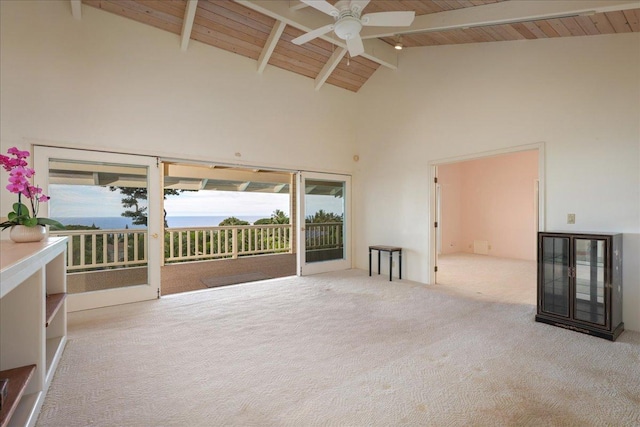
(234, 243)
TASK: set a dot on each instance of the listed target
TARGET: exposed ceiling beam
(76, 9)
(182, 184)
(308, 19)
(187, 23)
(328, 68)
(70, 167)
(297, 5)
(270, 45)
(506, 12)
(201, 172)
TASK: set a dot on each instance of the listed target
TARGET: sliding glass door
(111, 206)
(324, 242)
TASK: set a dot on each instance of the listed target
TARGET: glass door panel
(108, 203)
(590, 280)
(323, 219)
(554, 272)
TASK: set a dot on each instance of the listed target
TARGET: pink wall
(490, 199)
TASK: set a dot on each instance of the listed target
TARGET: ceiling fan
(349, 21)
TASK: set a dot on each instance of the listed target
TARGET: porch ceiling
(263, 29)
(176, 176)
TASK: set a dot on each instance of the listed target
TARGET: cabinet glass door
(590, 281)
(554, 273)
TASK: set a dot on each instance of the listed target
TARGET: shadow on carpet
(216, 281)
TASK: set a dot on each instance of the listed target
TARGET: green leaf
(12, 216)
(30, 222)
(21, 208)
(51, 223)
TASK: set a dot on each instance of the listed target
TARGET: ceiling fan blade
(358, 5)
(355, 46)
(322, 6)
(388, 19)
(312, 34)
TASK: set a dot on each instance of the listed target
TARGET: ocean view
(117, 222)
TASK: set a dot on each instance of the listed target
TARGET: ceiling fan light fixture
(349, 22)
(347, 28)
(398, 44)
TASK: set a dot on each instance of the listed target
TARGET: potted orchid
(25, 225)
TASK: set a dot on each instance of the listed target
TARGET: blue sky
(92, 201)
(73, 201)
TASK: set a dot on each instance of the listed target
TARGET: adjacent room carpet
(337, 349)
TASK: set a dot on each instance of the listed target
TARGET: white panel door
(95, 193)
(324, 218)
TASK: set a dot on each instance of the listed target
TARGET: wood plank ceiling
(263, 30)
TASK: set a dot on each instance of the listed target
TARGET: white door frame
(304, 268)
(151, 289)
(433, 214)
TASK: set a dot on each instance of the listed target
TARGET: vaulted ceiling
(263, 29)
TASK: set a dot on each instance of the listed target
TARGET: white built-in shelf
(18, 380)
(33, 323)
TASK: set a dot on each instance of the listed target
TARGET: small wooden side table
(391, 250)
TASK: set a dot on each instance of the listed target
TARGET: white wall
(580, 96)
(112, 83)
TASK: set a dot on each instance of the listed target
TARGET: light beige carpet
(337, 349)
(492, 278)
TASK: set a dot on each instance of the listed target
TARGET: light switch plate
(571, 218)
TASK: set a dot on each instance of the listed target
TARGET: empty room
(230, 212)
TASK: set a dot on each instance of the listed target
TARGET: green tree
(232, 220)
(132, 202)
(263, 221)
(323, 217)
(277, 217)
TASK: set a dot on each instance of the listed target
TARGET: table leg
(369, 261)
(400, 264)
(379, 261)
(390, 264)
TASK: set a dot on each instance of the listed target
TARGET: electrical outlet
(571, 218)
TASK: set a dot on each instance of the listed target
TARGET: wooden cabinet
(33, 323)
(580, 282)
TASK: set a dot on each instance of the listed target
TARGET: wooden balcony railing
(98, 249)
(189, 243)
(106, 249)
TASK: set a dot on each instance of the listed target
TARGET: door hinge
(435, 269)
(158, 293)
(435, 180)
(435, 224)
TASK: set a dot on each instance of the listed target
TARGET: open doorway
(487, 211)
(226, 225)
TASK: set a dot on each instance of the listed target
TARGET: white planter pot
(23, 234)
